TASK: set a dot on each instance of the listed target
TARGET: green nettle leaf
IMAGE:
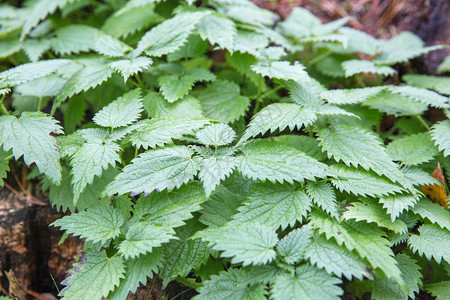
(306, 144)
(217, 134)
(274, 205)
(231, 284)
(30, 71)
(137, 271)
(121, 112)
(74, 39)
(159, 169)
(129, 67)
(97, 224)
(109, 46)
(171, 209)
(356, 66)
(160, 131)
(413, 149)
(157, 107)
(395, 104)
(268, 160)
(293, 246)
(141, 238)
(215, 169)
(351, 96)
(432, 241)
(358, 147)
(335, 259)
(440, 134)
(433, 212)
(439, 84)
(221, 206)
(421, 95)
(281, 70)
(389, 289)
(251, 243)
(30, 137)
(360, 182)
(279, 116)
(222, 101)
(174, 87)
(4, 165)
(170, 35)
(418, 176)
(184, 254)
(370, 211)
(95, 278)
(440, 290)
(308, 282)
(90, 160)
(324, 196)
(95, 71)
(397, 203)
(217, 30)
(366, 239)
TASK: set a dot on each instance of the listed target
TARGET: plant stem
(40, 103)
(3, 109)
(422, 121)
(141, 84)
(319, 58)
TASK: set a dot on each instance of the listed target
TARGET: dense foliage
(202, 142)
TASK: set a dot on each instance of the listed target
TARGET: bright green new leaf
(413, 149)
(433, 212)
(121, 112)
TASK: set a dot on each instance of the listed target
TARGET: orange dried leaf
(437, 192)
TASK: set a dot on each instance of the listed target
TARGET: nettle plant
(200, 144)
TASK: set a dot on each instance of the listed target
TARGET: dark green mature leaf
(171, 209)
(335, 259)
(184, 254)
(274, 205)
(432, 242)
(137, 271)
(359, 147)
(231, 284)
(141, 238)
(308, 282)
(324, 196)
(160, 131)
(268, 160)
(159, 169)
(30, 137)
(4, 165)
(251, 243)
(222, 101)
(97, 224)
(95, 278)
(293, 246)
(170, 35)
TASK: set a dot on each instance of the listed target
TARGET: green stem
(319, 58)
(40, 103)
(3, 109)
(422, 121)
(270, 92)
(141, 84)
